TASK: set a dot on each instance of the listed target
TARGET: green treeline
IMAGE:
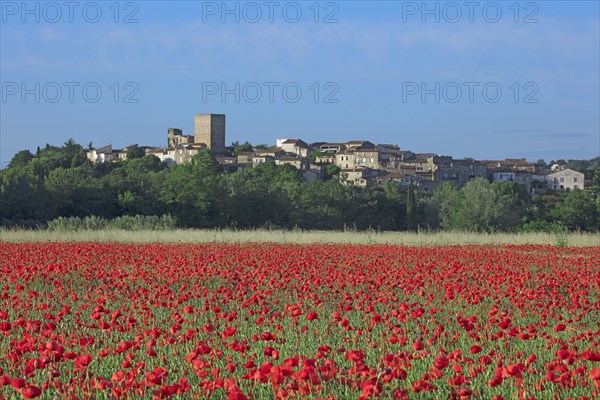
(43, 189)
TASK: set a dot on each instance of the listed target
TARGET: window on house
(562, 179)
(575, 186)
(574, 179)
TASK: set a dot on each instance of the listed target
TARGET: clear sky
(424, 75)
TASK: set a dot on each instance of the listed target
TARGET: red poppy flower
(475, 349)
(312, 316)
(559, 327)
(31, 392)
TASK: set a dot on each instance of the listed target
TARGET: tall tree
(577, 211)
(193, 192)
(445, 201)
(134, 152)
(237, 148)
(410, 208)
(20, 159)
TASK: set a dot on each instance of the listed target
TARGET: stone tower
(175, 137)
(210, 130)
(172, 137)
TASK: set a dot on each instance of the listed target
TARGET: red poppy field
(256, 321)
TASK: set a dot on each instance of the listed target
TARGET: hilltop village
(357, 162)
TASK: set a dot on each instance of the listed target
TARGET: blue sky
(367, 70)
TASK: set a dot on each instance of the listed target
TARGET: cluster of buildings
(360, 162)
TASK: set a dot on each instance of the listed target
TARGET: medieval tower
(175, 137)
(210, 130)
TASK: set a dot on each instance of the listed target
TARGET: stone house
(122, 153)
(294, 146)
(102, 154)
(345, 159)
(407, 170)
(245, 157)
(388, 147)
(259, 159)
(175, 137)
(274, 152)
(427, 164)
(459, 172)
(221, 159)
(325, 159)
(397, 178)
(329, 147)
(358, 158)
(512, 164)
(566, 179)
(357, 176)
(523, 177)
(184, 152)
(356, 144)
(301, 163)
(391, 159)
(164, 155)
(312, 172)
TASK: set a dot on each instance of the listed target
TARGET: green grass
(298, 236)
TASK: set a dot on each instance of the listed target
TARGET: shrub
(131, 223)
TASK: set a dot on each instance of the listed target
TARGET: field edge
(297, 236)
